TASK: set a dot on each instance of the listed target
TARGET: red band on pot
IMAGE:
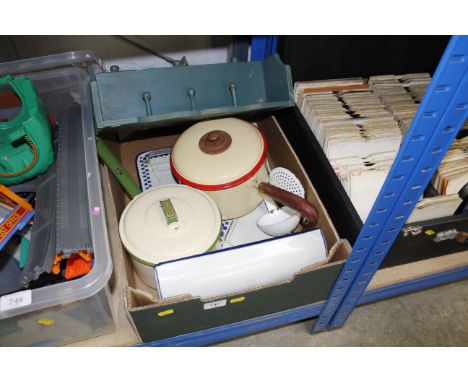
(233, 183)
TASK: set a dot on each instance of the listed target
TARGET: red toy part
(78, 264)
(9, 100)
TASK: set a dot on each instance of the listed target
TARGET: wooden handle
(304, 207)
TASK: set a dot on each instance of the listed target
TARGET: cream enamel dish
(241, 268)
(226, 158)
(167, 223)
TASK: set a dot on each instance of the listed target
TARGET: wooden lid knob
(215, 142)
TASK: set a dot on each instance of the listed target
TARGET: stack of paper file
(363, 179)
(304, 88)
(451, 177)
(401, 95)
(435, 207)
(360, 125)
(452, 174)
(357, 133)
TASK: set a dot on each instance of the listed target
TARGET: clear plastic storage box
(76, 309)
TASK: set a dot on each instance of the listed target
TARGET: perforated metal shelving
(438, 120)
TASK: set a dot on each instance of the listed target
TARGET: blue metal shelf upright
(437, 122)
(262, 47)
(440, 116)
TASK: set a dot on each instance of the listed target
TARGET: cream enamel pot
(167, 223)
(226, 158)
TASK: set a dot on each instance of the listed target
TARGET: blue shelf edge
(436, 279)
(238, 329)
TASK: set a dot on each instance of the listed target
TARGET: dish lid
(218, 154)
(169, 222)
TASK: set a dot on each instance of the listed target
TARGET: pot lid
(169, 222)
(218, 154)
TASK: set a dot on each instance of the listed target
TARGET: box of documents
(354, 130)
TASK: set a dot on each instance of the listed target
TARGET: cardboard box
(157, 319)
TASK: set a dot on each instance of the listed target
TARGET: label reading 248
(15, 300)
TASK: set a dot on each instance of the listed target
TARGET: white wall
(115, 50)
